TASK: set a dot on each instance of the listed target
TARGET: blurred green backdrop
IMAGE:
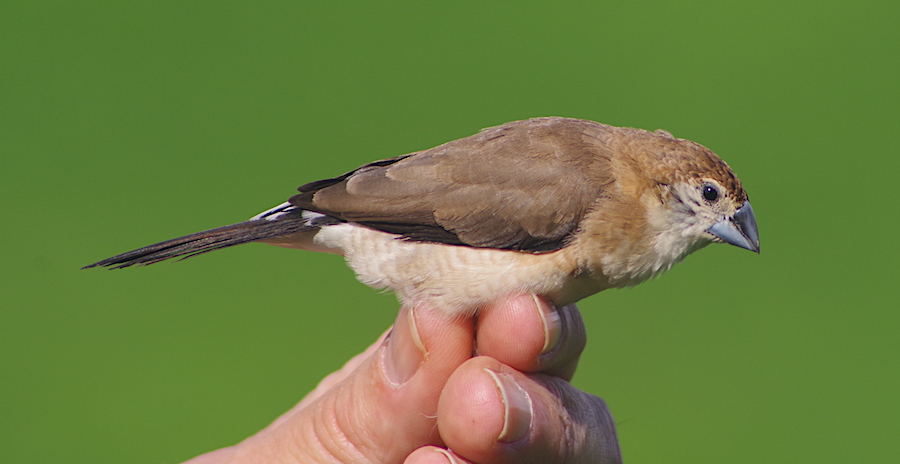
(125, 123)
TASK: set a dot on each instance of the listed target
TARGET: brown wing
(524, 185)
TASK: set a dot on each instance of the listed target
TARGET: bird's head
(697, 200)
(684, 197)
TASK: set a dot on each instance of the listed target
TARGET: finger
(492, 413)
(434, 455)
(384, 409)
(530, 335)
(219, 456)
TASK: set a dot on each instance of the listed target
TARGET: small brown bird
(558, 207)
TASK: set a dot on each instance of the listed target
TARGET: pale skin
(418, 396)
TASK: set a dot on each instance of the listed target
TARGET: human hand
(418, 396)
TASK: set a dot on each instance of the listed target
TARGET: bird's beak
(739, 230)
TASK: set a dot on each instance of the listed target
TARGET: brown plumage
(554, 206)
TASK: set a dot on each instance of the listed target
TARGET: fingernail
(551, 322)
(517, 408)
(405, 351)
(450, 458)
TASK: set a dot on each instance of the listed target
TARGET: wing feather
(524, 185)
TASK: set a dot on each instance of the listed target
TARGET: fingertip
(529, 334)
(490, 412)
(471, 412)
(433, 455)
(425, 338)
(526, 319)
(562, 360)
(486, 414)
(518, 409)
(405, 349)
(442, 334)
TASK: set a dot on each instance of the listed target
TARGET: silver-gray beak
(739, 230)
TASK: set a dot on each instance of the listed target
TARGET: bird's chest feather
(660, 237)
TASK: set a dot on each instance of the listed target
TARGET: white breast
(453, 279)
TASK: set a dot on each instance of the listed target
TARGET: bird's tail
(282, 220)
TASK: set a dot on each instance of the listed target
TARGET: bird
(557, 207)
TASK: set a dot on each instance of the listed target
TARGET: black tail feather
(209, 240)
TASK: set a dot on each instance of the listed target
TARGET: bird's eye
(710, 192)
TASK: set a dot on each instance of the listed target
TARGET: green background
(126, 123)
